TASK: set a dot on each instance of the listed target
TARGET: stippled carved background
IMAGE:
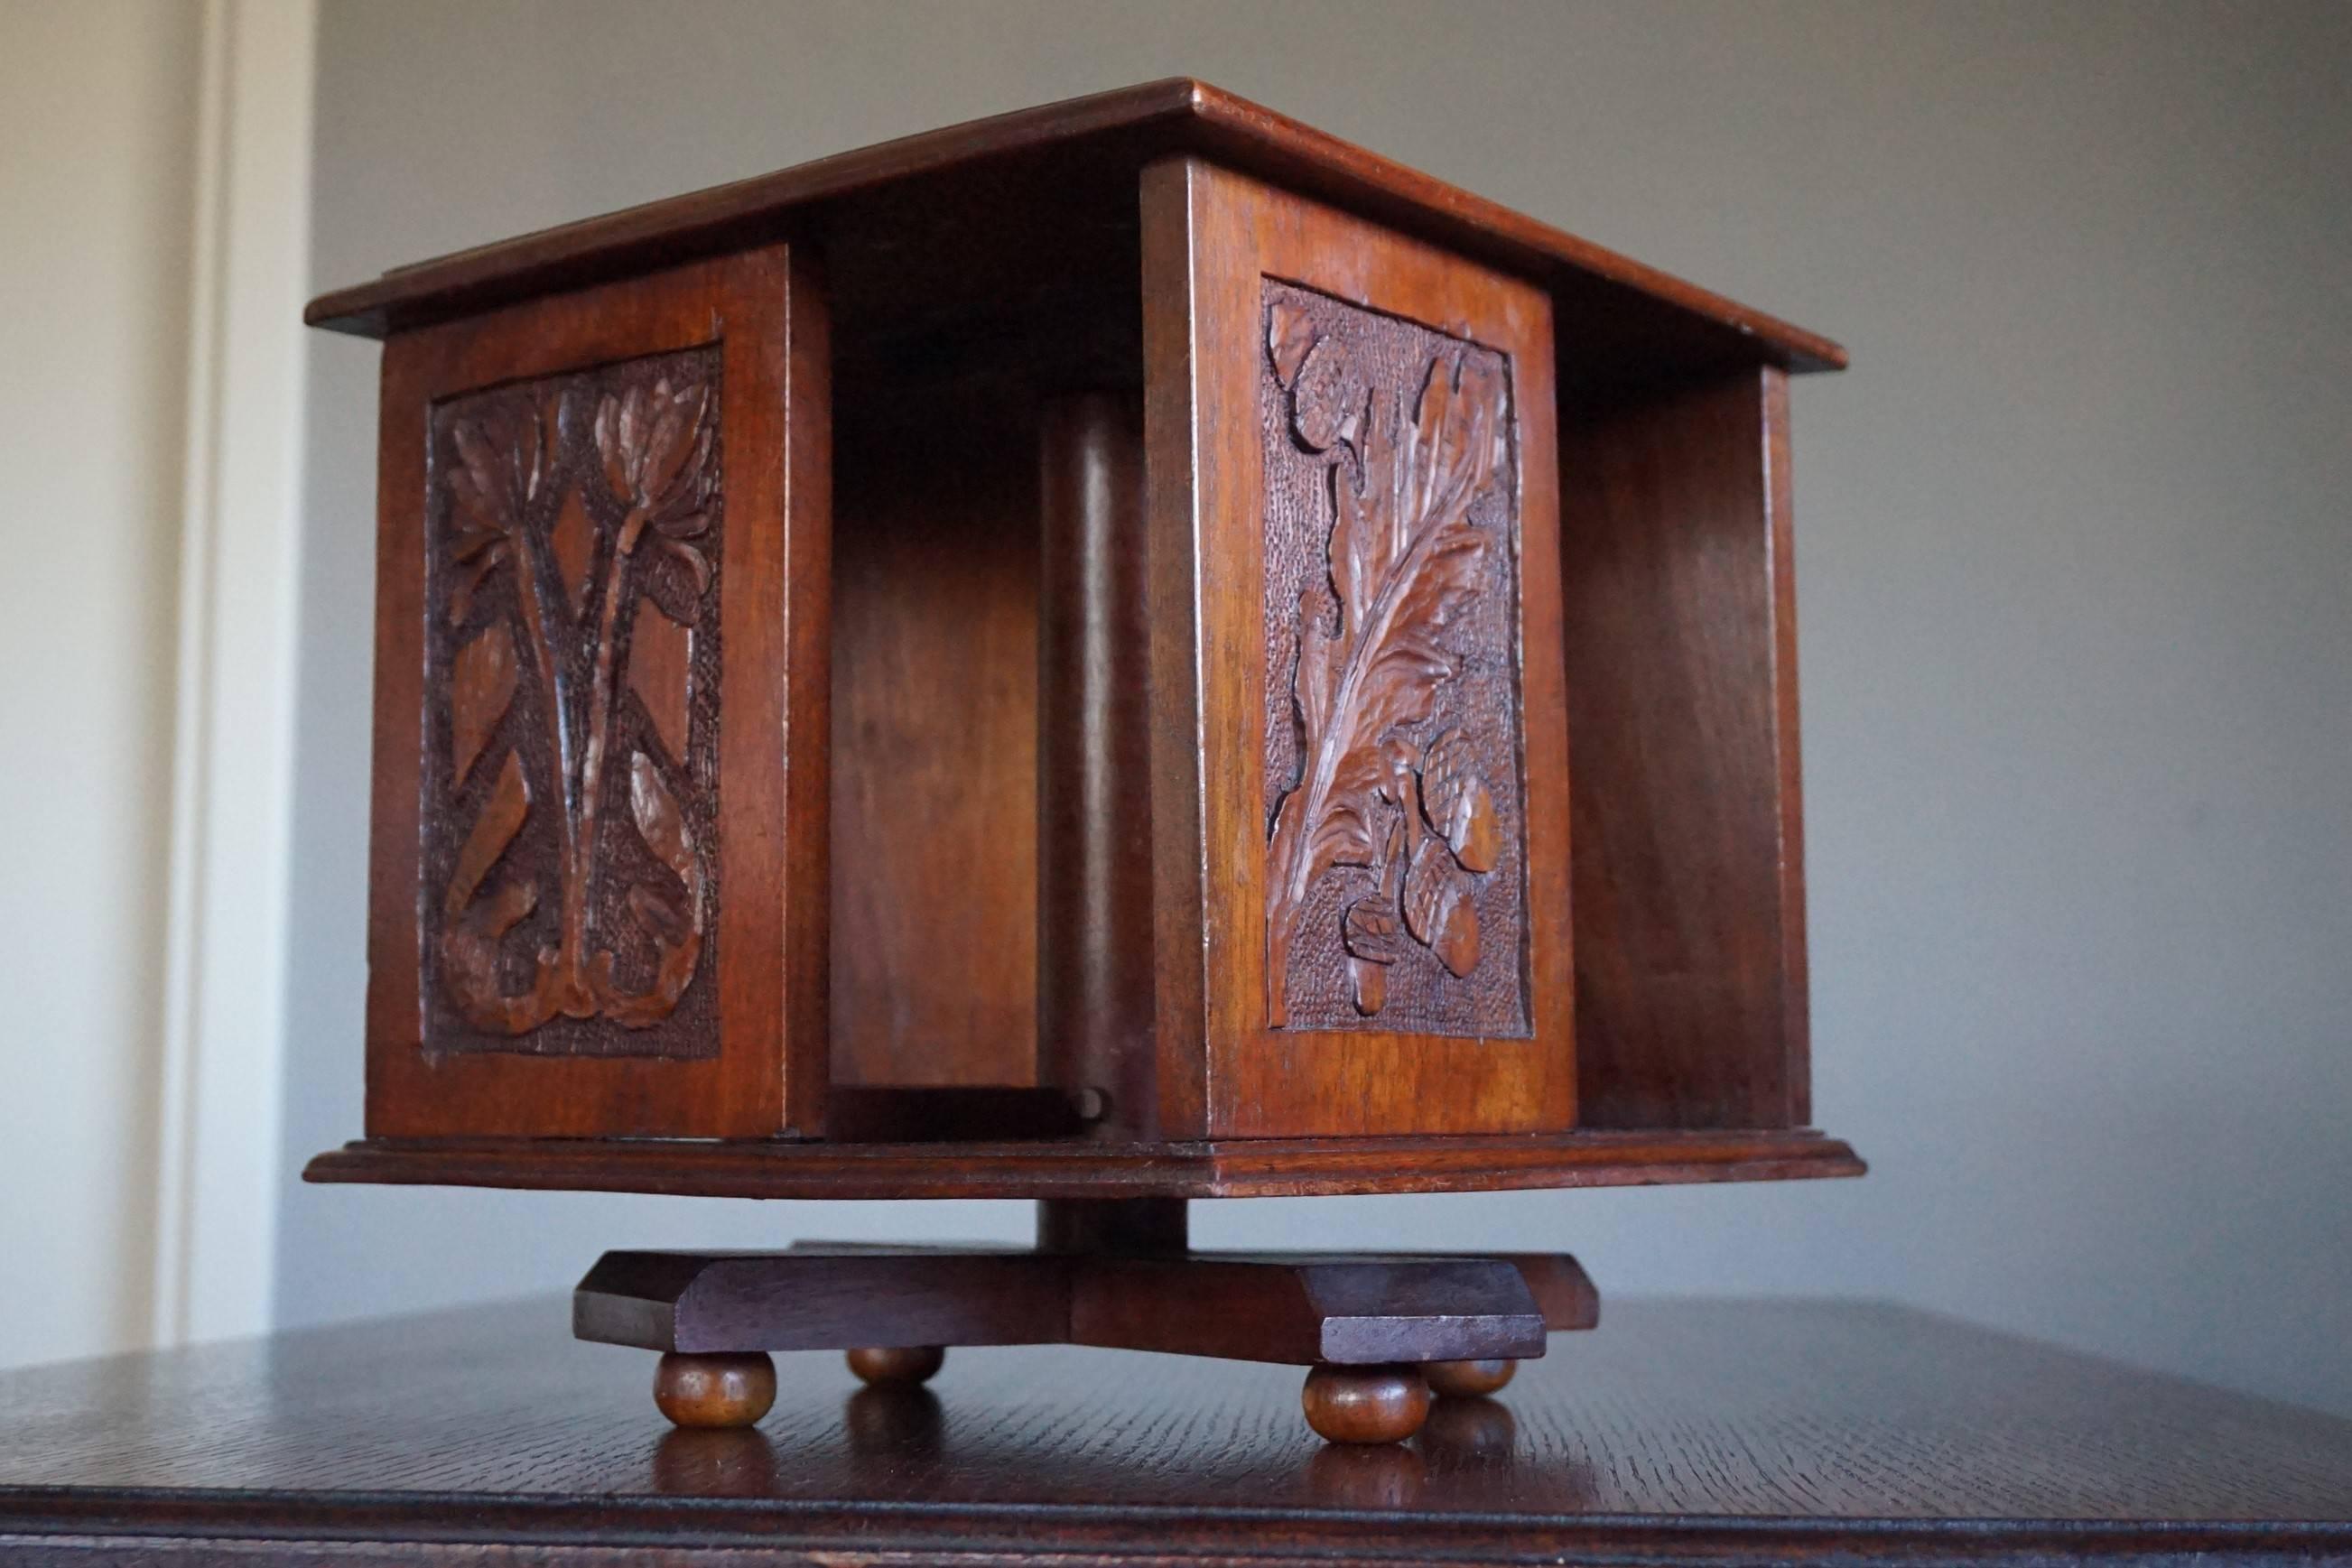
(571, 784)
(1395, 849)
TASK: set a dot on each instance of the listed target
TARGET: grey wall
(2076, 578)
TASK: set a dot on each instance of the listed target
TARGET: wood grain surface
(1072, 1168)
(1093, 763)
(591, 862)
(1231, 1062)
(1299, 1308)
(763, 1074)
(1730, 1432)
(1633, 320)
(1681, 629)
(1082, 664)
(934, 723)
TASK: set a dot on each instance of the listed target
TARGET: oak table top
(1677, 1432)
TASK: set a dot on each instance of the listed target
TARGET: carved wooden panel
(1393, 798)
(570, 787)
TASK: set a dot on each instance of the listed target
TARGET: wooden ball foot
(733, 1389)
(1467, 1379)
(902, 1365)
(1365, 1404)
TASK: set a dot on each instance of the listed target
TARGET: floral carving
(570, 504)
(1406, 459)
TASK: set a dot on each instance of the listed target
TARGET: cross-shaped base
(1381, 1333)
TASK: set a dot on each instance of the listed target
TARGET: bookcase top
(1676, 326)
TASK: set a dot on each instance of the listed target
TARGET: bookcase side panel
(598, 871)
(1352, 469)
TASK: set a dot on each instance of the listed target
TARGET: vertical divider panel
(800, 742)
(935, 728)
(1681, 630)
(1358, 737)
(1787, 771)
(1176, 487)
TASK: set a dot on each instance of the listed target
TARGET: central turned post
(1094, 801)
(1114, 1227)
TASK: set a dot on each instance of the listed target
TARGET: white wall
(2076, 578)
(154, 242)
(97, 119)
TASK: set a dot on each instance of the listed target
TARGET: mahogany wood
(896, 1366)
(1144, 660)
(1128, 1226)
(1307, 1309)
(1638, 323)
(1018, 276)
(765, 1074)
(1717, 1432)
(1094, 837)
(1562, 1291)
(946, 1115)
(722, 1390)
(934, 794)
(1468, 1379)
(1242, 1167)
(1689, 868)
(1211, 238)
(1365, 1404)
(818, 1298)
(1303, 1310)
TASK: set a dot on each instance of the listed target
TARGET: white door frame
(218, 1159)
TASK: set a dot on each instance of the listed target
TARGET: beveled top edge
(1176, 115)
(1261, 1167)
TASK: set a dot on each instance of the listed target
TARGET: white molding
(233, 743)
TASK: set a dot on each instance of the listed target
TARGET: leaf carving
(658, 916)
(1327, 399)
(502, 457)
(481, 685)
(675, 925)
(494, 829)
(1403, 559)
(471, 575)
(1456, 803)
(677, 577)
(1457, 938)
(1439, 909)
(656, 444)
(1372, 930)
(473, 930)
(1327, 394)
(582, 593)
(1288, 335)
(659, 821)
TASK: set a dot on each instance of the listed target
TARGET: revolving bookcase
(1126, 652)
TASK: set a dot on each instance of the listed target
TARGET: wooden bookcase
(1125, 653)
